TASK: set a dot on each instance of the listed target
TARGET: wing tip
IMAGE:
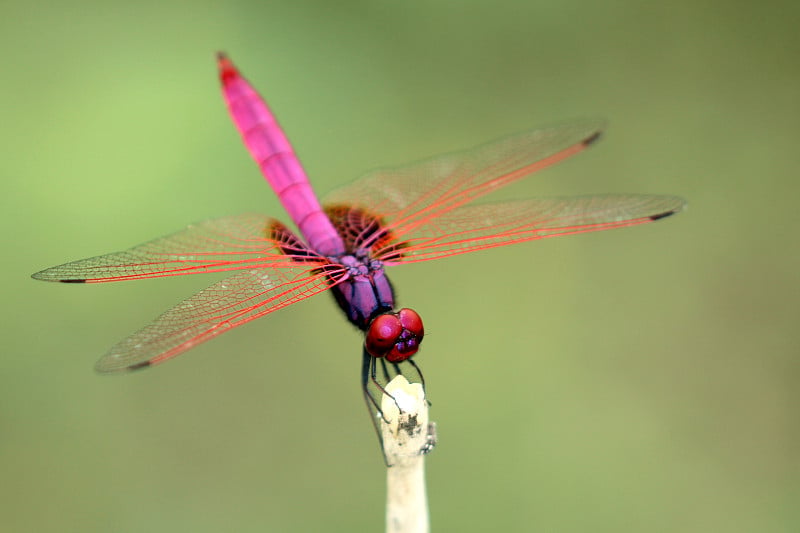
(663, 215)
(680, 205)
(45, 276)
(103, 367)
(593, 138)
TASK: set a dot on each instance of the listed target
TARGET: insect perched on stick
(389, 217)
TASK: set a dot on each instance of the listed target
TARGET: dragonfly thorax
(367, 298)
(365, 291)
(359, 263)
(365, 294)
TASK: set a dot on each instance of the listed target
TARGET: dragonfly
(388, 217)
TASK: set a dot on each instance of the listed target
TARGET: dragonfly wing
(221, 307)
(413, 195)
(483, 226)
(222, 244)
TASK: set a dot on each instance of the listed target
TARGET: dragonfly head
(395, 335)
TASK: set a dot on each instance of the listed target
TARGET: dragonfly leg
(386, 377)
(373, 408)
(419, 372)
(421, 378)
(374, 377)
(367, 370)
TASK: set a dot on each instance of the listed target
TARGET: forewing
(221, 307)
(483, 226)
(414, 195)
(222, 244)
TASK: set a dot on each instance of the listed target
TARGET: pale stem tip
(407, 437)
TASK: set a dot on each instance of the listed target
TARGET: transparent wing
(221, 307)
(483, 226)
(412, 196)
(229, 243)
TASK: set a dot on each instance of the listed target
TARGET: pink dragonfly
(389, 217)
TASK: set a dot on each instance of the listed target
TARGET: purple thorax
(366, 292)
(361, 289)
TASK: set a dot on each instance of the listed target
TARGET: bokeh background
(638, 380)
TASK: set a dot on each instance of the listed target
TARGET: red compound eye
(383, 334)
(412, 322)
(395, 336)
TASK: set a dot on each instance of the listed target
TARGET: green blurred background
(638, 380)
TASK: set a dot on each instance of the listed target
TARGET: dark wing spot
(358, 227)
(72, 280)
(662, 215)
(139, 366)
(592, 138)
(290, 244)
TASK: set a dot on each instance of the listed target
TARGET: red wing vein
(224, 244)
(411, 197)
(482, 226)
(221, 307)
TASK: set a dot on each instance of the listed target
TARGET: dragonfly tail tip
(227, 70)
